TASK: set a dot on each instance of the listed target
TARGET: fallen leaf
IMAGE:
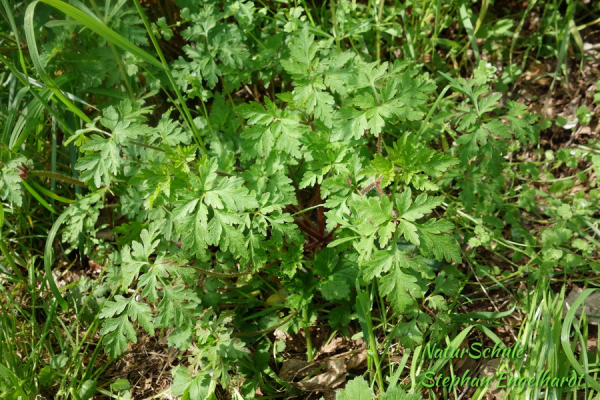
(488, 370)
(334, 376)
(295, 369)
(357, 361)
(334, 345)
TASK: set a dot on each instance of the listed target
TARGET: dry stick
(579, 146)
(251, 94)
(374, 184)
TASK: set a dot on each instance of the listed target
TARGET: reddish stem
(375, 184)
(312, 245)
(378, 187)
(304, 216)
(308, 230)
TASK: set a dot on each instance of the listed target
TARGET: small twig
(374, 184)
(251, 94)
(579, 146)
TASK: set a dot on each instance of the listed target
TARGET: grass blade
(564, 339)
(466, 21)
(52, 195)
(102, 30)
(13, 25)
(37, 62)
(38, 197)
(36, 95)
(48, 257)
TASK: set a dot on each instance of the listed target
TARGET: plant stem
(375, 354)
(116, 56)
(186, 110)
(10, 260)
(309, 347)
(60, 177)
(232, 103)
(378, 28)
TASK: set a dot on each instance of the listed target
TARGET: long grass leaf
(48, 257)
(52, 195)
(566, 344)
(5, 251)
(39, 198)
(10, 375)
(174, 86)
(363, 309)
(28, 120)
(454, 344)
(487, 315)
(36, 95)
(37, 62)
(13, 111)
(13, 26)
(102, 30)
(466, 21)
(69, 96)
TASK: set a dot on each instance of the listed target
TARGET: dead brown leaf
(357, 361)
(334, 376)
(295, 369)
(295, 343)
(333, 346)
(488, 370)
